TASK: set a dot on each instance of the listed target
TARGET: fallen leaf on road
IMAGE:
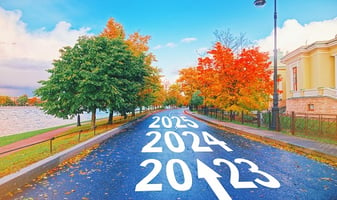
(326, 179)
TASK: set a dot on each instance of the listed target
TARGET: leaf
(326, 179)
(69, 192)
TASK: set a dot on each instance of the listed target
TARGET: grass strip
(17, 160)
(5, 140)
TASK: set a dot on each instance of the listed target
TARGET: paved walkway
(328, 151)
(5, 150)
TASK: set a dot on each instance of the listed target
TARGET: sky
(33, 31)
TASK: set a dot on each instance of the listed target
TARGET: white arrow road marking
(211, 178)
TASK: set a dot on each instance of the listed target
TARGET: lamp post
(275, 121)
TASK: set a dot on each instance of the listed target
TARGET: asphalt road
(173, 156)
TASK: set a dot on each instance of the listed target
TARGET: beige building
(311, 78)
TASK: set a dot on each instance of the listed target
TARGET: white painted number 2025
(168, 122)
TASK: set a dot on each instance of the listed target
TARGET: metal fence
(318, 125)
(302, 124)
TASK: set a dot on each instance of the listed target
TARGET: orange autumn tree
(235, 83)
(138, 43)
(113, 30)
(257, 85)
(188, 81)
(174, 96)
(213, 69)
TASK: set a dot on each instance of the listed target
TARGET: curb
(18, 179)
(332, 160)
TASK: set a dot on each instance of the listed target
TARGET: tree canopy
(105, 72)
(196, 99)
(97, 73)
(234, 82)
(138, 45)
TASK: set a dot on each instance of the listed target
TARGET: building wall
(321, 105)
(316, 69)
(322, 69)
(307, 72)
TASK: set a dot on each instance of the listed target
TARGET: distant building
(311, 78)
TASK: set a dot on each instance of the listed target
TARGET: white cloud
(25, 55)
(293, 35)
(157, 47)
(188, 40)
(170, 45)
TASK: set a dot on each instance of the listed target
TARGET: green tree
(22, 100)
(171, 101)
(130, 84)
(144, 87)
(196, 99)
(95, 74)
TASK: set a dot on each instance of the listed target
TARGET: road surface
(173, 156)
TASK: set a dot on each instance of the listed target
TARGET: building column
(336, 71)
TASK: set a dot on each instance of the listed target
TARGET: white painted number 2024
(209, 139)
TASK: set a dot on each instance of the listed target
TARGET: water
(14, 120)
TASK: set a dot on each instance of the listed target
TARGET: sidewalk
(307, 146)
(10, 148)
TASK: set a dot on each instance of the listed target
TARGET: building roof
(307, 48)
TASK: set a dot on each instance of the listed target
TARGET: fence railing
(317, 125)
(313, 125)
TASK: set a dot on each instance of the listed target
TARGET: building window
(295, 79)
(311, 107)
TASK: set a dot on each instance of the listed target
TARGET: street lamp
(275, 121)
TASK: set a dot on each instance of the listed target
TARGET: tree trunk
(111, 114)
(93, 118)
(78, 120)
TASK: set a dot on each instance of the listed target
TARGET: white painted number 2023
(204, 172)
(168, 122)
(235, 177)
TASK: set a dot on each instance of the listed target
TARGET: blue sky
(32, 31)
